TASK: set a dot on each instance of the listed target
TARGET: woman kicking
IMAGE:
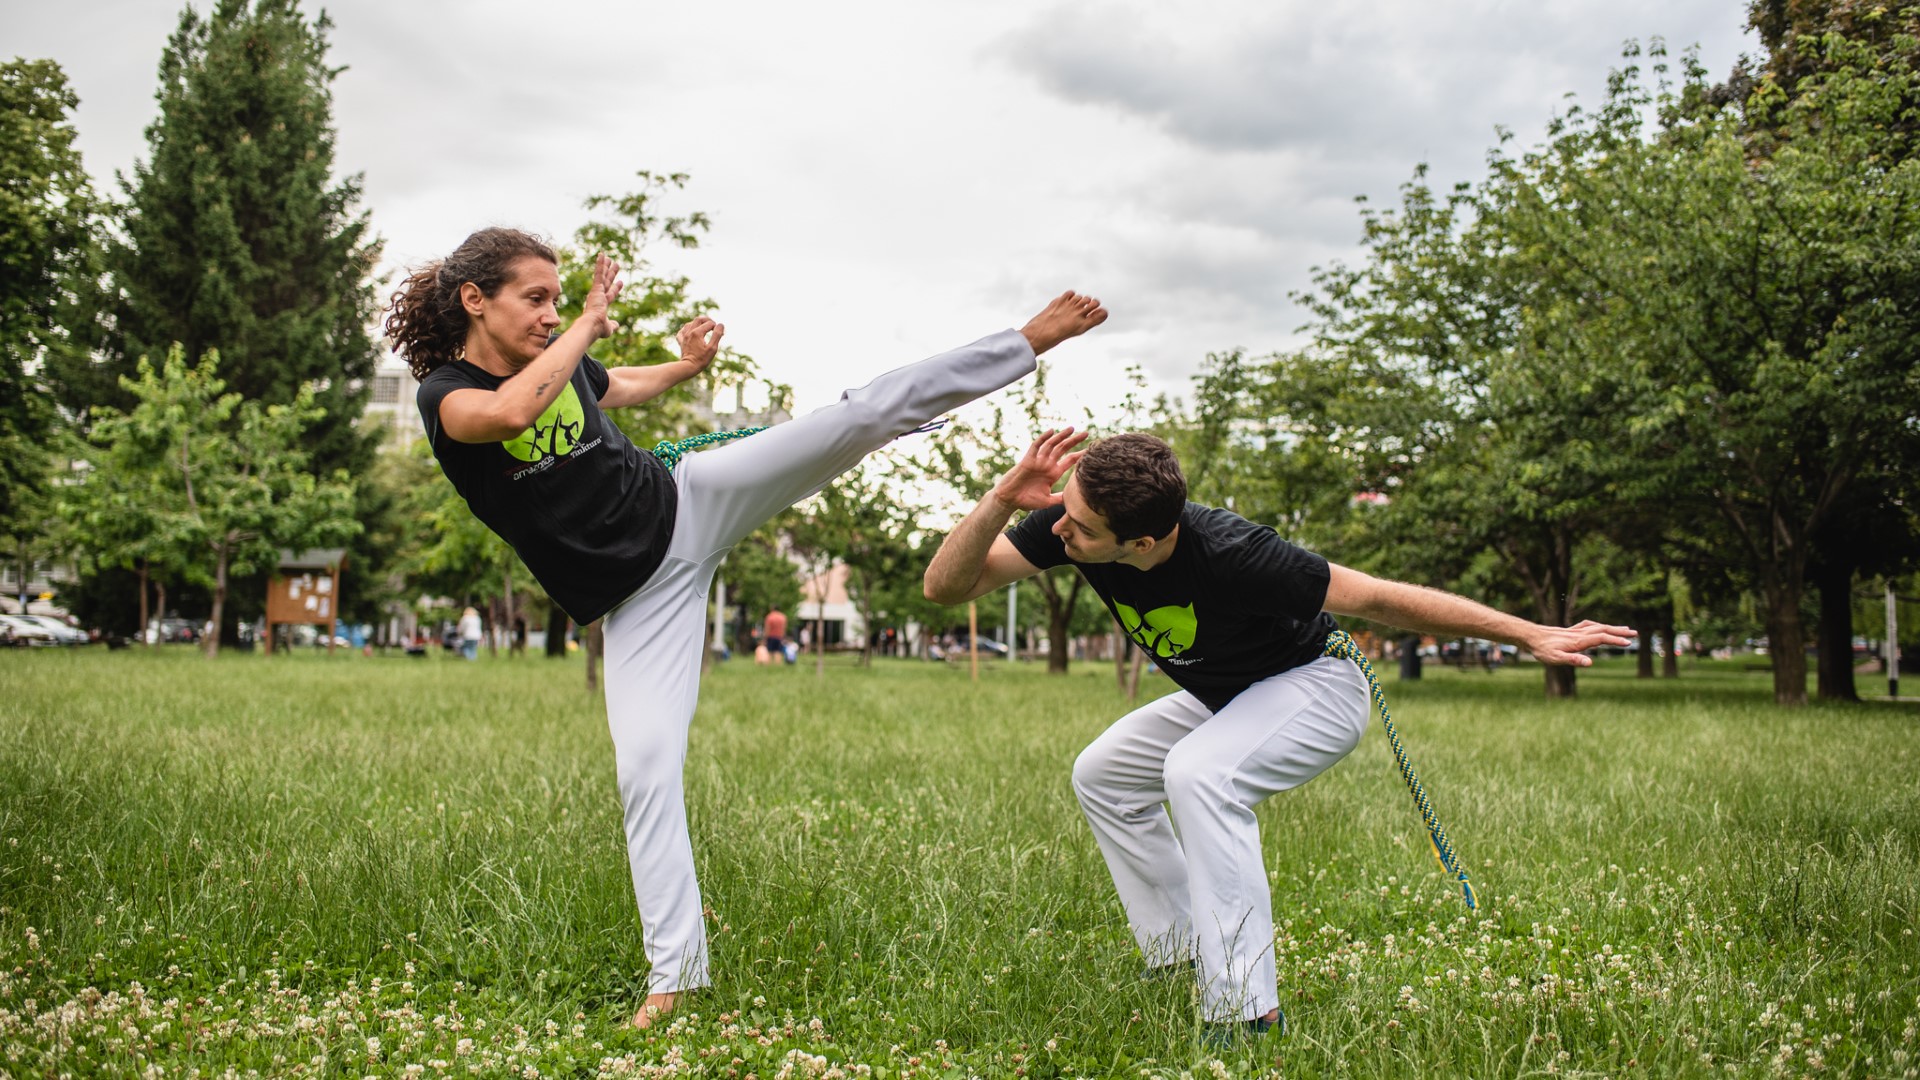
(515, 417)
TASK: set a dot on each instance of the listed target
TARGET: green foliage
(47, 247)
(653, 306)
(196, 479)
(235, 233)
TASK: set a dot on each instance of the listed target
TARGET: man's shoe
(1227, 1036)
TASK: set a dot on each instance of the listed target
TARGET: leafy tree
(228, 482)
(47, 250)
(653, 306)
(760, 577)
(236, 235)
(1765, 309)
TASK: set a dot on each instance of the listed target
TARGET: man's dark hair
(1135, 482)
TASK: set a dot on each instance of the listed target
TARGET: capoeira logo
(554, 434)
(1165, 632)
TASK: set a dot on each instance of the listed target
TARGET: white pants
(1203, 893)
(654, 638)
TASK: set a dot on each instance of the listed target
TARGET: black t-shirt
(589, 513)
(1234, 603)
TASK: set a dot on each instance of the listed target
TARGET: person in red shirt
(773, 637)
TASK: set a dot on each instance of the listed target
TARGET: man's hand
(1568, 644)
(700, 342)
(600, 295)
(1029, 484)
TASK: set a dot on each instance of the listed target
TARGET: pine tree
(236, 234)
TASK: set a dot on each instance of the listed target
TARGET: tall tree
(47, 251)
(235, 233)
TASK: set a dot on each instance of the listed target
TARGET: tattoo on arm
(541, 390)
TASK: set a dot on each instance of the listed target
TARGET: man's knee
(1091, 771)
(1191, 776)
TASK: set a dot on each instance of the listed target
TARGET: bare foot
(657, 1006)
(1069, 315)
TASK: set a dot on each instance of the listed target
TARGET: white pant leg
(1120, 781)
(1277, 734)
(654, 638)
(729, 490)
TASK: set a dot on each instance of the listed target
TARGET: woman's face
(517, 320)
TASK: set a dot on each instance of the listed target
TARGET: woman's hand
(700, 342)
(600, 296)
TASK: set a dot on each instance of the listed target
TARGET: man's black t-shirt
(589, 512)
(1234, 603)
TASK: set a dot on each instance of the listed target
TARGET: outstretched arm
(699, 344)
(976, 557)
(1414, 607)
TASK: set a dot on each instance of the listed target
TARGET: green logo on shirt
(1166, 632)
(555, 433)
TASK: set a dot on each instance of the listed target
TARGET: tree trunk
(820, 637)
(1787, 641)
(1410, 657)
(1122, 645)
(1059, 620)
(160, 599)
(1835, 678)
(220, 602)
(557, 626)
(506, 620)
(596, 644)
(1643, 649)
(1133, 675)
(1560, 681)
(143, 603)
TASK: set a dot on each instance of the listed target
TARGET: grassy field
(413, 867)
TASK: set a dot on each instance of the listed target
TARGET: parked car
(17, 630)
(175, 629)
(63, 631)
(988, 647)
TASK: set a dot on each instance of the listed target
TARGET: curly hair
(1134, 481)
(426, 321)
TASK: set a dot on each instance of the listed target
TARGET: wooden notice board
(305, 589)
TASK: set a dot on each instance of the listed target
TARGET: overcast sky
(887, 179)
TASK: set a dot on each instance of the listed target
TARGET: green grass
(348, 866)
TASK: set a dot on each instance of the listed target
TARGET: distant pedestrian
(773, 638)
(470, 634)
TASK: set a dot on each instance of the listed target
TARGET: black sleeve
(433, 390)
(1033, 538)
(597, 378)
(1292, 579)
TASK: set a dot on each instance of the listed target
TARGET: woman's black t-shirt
(1234, 603)
(588, 512)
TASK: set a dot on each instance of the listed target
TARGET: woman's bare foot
(1069, 315)
(656, 1006)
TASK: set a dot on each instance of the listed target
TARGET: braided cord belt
(1341, 644)
(670, 450)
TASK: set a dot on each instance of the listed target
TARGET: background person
(773, 638)
(1238, 619)
(515, 415)
(470, 631)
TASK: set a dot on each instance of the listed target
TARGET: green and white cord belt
(1341, 644)
(670, 450)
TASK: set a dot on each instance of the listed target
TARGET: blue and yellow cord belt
(1341, 644)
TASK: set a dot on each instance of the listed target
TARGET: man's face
(1084, 533)
(519, 318)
